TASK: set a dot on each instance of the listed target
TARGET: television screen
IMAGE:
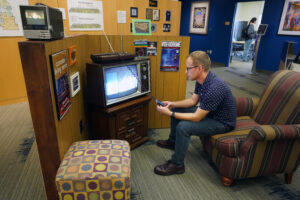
(120, 81)
(35, 17)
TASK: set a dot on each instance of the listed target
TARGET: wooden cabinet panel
(127, 121)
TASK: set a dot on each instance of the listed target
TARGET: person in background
(215, 114)
(251, 34)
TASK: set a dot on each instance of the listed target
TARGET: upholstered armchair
(266, 139)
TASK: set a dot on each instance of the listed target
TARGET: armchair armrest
(269, 133)
(275, 132)
(246, 106)
(233, 145)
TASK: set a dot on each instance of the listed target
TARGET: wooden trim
(35, 71)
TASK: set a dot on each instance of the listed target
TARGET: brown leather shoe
(169, 168)
(166, 144)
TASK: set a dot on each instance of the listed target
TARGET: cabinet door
(137, 114)
(122, 120)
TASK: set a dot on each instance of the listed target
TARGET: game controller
(159, 103)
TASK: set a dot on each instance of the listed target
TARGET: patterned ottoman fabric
(96, 170)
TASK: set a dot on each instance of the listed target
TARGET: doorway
(244, 12)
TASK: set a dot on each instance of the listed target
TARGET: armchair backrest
(280, 101)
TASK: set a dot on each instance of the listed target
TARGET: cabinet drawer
(129, 118)
(137, 114)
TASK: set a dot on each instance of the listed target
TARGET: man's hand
(168, 104)
(164, 110)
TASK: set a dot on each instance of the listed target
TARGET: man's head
(197, 65)
(201, 58)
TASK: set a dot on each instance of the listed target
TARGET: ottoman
(95, 169)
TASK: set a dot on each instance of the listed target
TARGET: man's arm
(186, 103)
(195, 117)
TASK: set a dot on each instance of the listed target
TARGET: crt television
(41, 22)
(113, 83)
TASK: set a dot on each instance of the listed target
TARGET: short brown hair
(201, 58)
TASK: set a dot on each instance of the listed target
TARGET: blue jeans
(181, 132)
(246, 49)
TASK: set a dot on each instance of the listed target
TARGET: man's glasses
(188, 68)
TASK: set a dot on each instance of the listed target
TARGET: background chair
(266, 139)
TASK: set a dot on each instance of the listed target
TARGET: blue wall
(218, 38)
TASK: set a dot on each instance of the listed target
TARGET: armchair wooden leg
(288, 178)
(226, 181)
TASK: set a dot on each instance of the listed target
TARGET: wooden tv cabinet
(125, 121)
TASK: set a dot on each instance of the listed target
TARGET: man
(215, 114)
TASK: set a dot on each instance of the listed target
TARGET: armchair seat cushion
(229, 143)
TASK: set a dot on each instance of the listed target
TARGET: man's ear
(201, 67)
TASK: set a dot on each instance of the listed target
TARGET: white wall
(247, 10)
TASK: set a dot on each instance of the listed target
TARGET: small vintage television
(41, 22)
(112, 83)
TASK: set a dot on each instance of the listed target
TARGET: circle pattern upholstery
(95, 169)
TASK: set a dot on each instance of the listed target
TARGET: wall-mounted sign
(60, 82)
(170, 55)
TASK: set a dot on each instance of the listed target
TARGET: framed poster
(141, 27)
(289, 22)
(170, 56)
(199, 17)
(59, 68)
(133, 12)
(140, 47)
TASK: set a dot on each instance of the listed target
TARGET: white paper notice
(63, 12)
(121, 17)
(10, 18)
(85, 15)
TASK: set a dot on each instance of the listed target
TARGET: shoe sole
(165, 147)
(163, 174)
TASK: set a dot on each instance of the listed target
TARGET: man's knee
(182, 128)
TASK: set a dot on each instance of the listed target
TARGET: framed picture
(199, 17)
(149, 13)
(133, 12)
(59, 68)
(141, 27)
(153, 28)
(166, 27)
(75, 83)
(289, 22)
(156, 15)
(152, 3)
(72, 55)
(168, 15)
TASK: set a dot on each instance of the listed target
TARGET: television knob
(144, 77)
(144, 68)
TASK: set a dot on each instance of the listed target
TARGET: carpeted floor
(21, 176)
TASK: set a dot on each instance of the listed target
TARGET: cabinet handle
(130, 130)
(130, 123)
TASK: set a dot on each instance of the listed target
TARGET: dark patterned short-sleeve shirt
(215, 96)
